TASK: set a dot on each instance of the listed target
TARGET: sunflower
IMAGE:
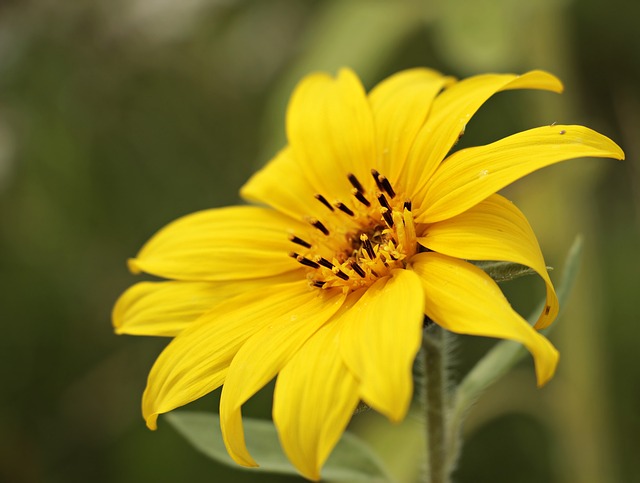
(360, 227)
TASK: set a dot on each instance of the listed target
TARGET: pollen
(359, 240)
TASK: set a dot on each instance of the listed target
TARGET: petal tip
(547, 81)
(546, 373)
(315, 476)
(243, 460)
(150, 411)
(233, 434)
(535, 79)
(393, 411)
(152, 421)
(397, 417)
(133, 266)
(346, 71)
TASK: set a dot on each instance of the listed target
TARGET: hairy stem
(433, 399)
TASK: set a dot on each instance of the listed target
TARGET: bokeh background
(117, 116)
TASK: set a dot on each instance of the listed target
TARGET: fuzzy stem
(434, 403)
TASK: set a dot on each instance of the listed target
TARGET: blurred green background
(118, 116)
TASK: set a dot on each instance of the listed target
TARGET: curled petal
(494, 229)
(462, 298)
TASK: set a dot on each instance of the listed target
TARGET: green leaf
(501, 358)
(351, 461)
(505, 271)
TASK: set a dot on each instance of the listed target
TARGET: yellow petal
(470, 175)
(238, 242)
(167, 308)
(314, 399)
(462, 298)
(494, 229)
(400, 107)
(283, 185)
(196, 361)
(451, 112)
(163, 308)
(330, 132)
(263, 355)
(380, 340)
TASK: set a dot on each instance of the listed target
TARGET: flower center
(360, 241)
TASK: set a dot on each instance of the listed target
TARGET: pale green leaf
(351, 461)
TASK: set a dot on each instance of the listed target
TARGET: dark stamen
(386, 185)
(407, 205)
(342, 275)
(324, 201)
(325, 263)
(293, 255)
(366, 243)
(355, 183)
(360, 197)
(308, 263)
(386, 214)
(344, 208)
(318, 283)
(373, 272)
(358, 269)
(376, 177)
(318, 224)
(382, 199)
(299, 241)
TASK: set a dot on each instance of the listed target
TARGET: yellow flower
(363, 226)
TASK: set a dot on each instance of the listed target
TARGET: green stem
(434, 403)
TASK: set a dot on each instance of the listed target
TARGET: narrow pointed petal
(163, 308)
(380, 340)
(331, 132)
(470, 175)
(196, 361)
(283, 185)
(263, 356)
(494, 229)
(239, 242)
(313, 402)
(451, 112)
(401, 104)
(462, 298)
(167, 308)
